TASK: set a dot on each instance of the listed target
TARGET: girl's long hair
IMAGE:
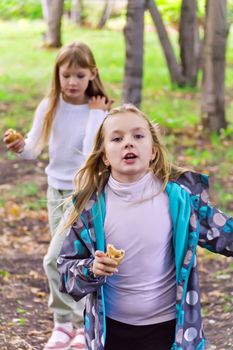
(93, 175)
(77, 54)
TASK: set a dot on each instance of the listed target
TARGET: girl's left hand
(103, 265)
(99, 102)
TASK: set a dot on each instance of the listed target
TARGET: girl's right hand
(16, 146)
(99, 102)
(103, 265)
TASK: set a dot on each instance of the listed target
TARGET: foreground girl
(67, 119)
(129, 195)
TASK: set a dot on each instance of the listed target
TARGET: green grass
(25, 72)
(28, 190)
(29, 194)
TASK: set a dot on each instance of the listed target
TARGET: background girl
(131, 196)
(67, 120)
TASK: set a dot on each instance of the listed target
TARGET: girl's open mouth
(130, 158)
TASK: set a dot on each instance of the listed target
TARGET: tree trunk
(52, 13)
(134, 36)
(173, 66)
(189, 41)
(105, 14)
(213, 104)
(76, 11)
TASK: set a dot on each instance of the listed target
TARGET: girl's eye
(139, 136)
(81, 76)
(66, 76)
(117, 139)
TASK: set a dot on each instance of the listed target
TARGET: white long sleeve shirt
(71, 140)
(137, 220)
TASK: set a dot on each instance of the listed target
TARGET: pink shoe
(78, 341)
(59, 345)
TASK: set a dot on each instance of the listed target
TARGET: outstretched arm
(216, 231)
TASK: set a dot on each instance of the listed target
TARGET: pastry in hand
(115, 254)
(12, 135)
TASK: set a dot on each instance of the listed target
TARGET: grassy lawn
(25, 71)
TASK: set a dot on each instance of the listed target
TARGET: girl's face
(128, 146)
(74, 81)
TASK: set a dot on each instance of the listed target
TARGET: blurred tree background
(166, 68)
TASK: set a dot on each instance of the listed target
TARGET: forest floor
(25, 322)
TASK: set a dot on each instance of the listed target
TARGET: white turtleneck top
(71, 139)
(137, 220)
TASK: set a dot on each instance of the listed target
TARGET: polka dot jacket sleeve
(216, 231)
(216, 228)
(74, 263)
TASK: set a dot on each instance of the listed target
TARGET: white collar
(145, 187)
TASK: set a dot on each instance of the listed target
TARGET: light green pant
(63, 306)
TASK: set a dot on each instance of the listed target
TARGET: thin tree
(189, 41)
(173, 66)
(107, 10)
(134, 39)
(77, 8)
(52, 13)
(213, 104)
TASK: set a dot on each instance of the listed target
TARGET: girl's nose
(72, 80)
(128, 144)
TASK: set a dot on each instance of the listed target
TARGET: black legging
(122, 336)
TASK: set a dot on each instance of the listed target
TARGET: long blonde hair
(75, 53)
(93, 175)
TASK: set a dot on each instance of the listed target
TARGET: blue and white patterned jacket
(194, 222)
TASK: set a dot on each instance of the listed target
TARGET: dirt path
(25, 320)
